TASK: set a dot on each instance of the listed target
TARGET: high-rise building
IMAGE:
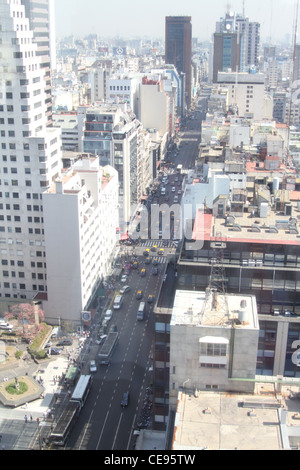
(30, 156)
(178, 48)
(236, 44)
(41, 23)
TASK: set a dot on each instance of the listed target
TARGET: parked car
(65, 342)
(55, 351)
(125, 400)
(101, 339)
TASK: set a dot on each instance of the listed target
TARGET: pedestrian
(31, 418)
(25, 418)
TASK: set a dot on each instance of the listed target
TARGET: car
(161, 251)
(113, 328)
(104, 362)
(5, 326)
(125, 289)
(143, 272)
(153, 248)
(124, 278)
(150, 298)
(155, 261)
(155, 271)
(166, 198)
(55, 351)
(146, 252)
(101, 339)
(65, 342)
(135, 265)
(125, 400)
(165, 277)
(173, 189)
(93, 366)
(179, 191)
(139, 294)
(148, 260)
(108, 315)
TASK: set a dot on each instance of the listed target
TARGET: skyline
(78, 18)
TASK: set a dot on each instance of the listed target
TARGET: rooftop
(265, 420)
(208, 309)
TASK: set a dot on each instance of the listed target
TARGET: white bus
(141, 311)
(118, 302)
(82, 389)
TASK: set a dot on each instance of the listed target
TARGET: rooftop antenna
(243, 8)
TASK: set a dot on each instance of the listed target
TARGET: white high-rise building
(30, 156)
(81, 221)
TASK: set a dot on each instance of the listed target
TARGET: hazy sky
(132, 18)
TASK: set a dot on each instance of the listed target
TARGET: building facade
(81, 217)
(178, 48)
(30, 157)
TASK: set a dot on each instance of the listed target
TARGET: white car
(5, 326)
(124, 278)
(108, 315)
(93, 367)
(124, 289)
(173, 189)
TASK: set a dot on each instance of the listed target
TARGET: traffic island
(20, 390)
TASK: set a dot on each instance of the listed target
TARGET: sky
(139, 18)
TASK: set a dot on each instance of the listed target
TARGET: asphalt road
(103, 424)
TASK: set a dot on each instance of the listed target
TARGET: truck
(107, 348)
(141, 311)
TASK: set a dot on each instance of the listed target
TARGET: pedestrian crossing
(157, 243)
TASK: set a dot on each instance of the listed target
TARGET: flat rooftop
(190, 308)
(265, 420)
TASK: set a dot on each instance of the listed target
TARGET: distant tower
(178, 48)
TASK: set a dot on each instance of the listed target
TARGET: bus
(118, 302)
(141, 311)
(82, 389)
(70, 414)
(179, 169)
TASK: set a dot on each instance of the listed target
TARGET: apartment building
(30, 157)
(116, 136)
(213, 340)
(81, 217)
(42, 23)
(246, 94)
